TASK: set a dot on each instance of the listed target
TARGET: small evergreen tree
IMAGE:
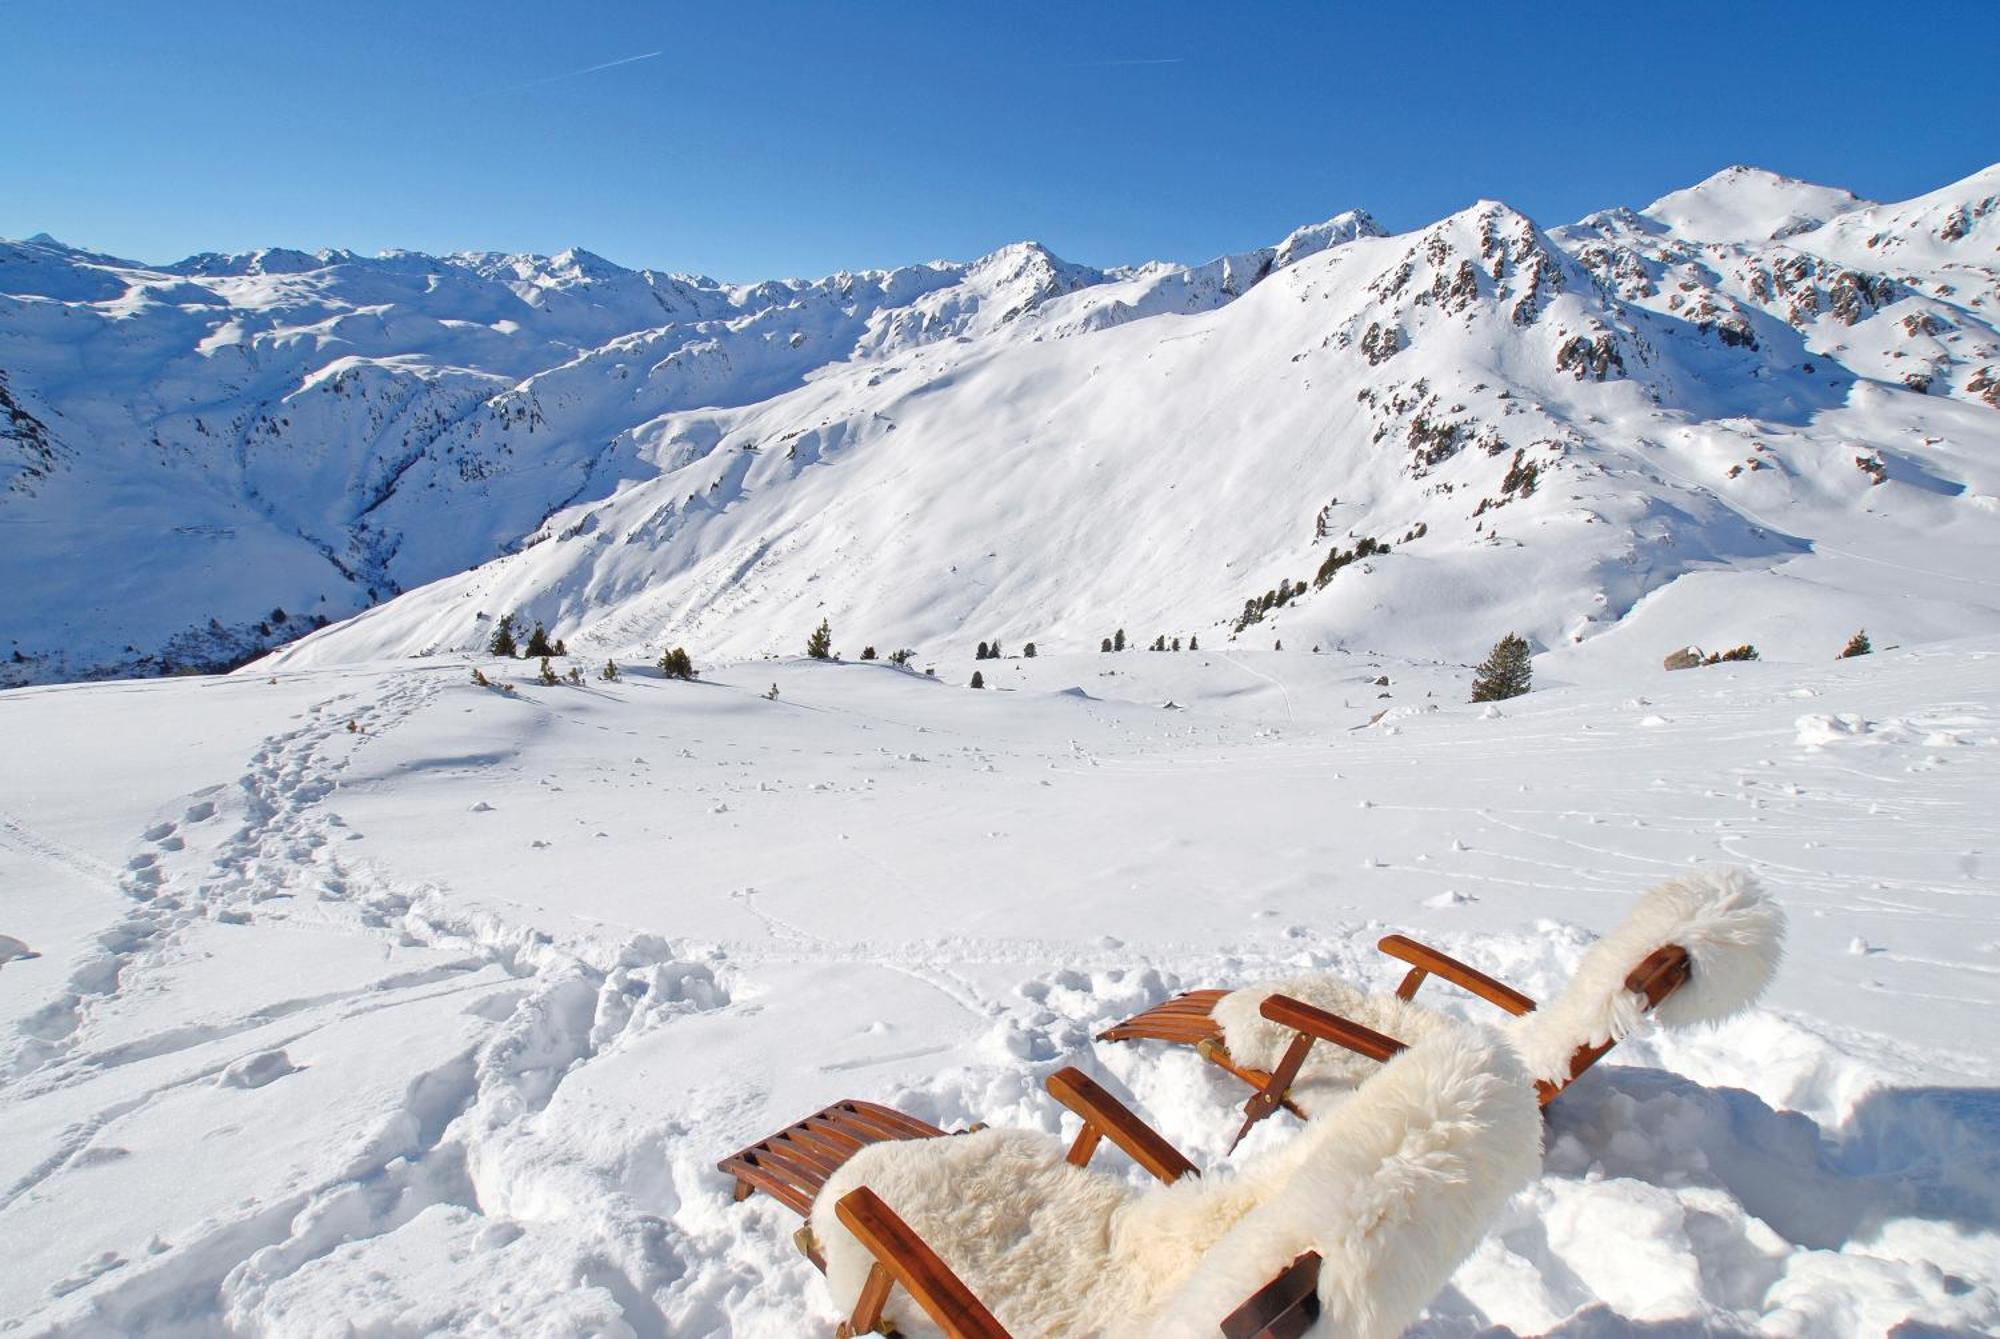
(575, 675)
(867, 653)
(539, 644)
(1177, 643)
(1118, 642)
(675, 663)
(1504, 673)
(978, 679)
(981, 653)
(548, 674)
(1160, 642)
(820, 645)
(478, 678)
(502, 643)
(1028, 651)
(562, 647)
(1857, 645)
(1194, 643)
(993, 650)
(901, 656)
(1106, 647)
(1278, 645)
(610, 672)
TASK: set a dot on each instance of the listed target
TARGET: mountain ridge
(326, 439)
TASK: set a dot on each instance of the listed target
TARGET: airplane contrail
(588, 69)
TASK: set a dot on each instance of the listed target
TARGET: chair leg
(867, 1317)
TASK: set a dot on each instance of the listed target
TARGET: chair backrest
(1391, 1190)
(1695, 949)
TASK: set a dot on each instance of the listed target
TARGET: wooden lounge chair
(1001, 1231)
(1696, 949)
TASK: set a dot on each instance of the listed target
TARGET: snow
(369, 1001)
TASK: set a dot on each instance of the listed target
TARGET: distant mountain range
(1756, 410)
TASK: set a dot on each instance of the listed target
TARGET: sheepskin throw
(1732, 931)
(1393, 1188)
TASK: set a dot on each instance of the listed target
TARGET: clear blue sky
(773, 139)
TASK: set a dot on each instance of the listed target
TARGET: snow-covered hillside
(1575, 434)
(371, 1001)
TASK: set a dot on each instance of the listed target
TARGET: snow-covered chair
(1696, 949)
(1347, 1230)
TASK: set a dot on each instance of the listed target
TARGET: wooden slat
(1115, 1121)
(1184, 1018)
(941, 1293)
(1427, 960)
(792, 1165)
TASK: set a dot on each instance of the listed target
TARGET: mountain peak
(1742, 203)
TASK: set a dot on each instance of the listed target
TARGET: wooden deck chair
(1347, 1230)
(792, 1166)
(1696, 949)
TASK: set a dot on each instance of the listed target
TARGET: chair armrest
(1427, 961)
(1310, 1025)
(904, 1257)
(1318, 1023)
(1104, 1116)
(1284, 1308)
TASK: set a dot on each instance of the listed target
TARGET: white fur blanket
(1393, 1188)
(1733, 933)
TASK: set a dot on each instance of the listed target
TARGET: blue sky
(772, 139)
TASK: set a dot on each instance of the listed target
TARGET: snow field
(439, 1022)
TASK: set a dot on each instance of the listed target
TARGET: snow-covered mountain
(1755, 382)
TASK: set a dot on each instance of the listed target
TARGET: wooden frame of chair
(793, 1165)
(1189, 1018)
(1284, 1308)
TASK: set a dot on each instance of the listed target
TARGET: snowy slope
(366, 1000)
(1547, 432)
(1550, 430)
(315, 433)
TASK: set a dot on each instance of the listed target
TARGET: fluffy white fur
(1393, 1187)
(1733, 932)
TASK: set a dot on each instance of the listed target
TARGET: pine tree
(675, 663)
(1177, 643)
(562, 647)
(1857, 645)
(1118, 642)
(610, 672)
(978, 679)
(867, 653)
(1106, 647)
(502, 643)
(820, 645)
(981, 653)
(1194, 643)
(478, 677)
(993, 650)
(1028, 651)
(538, 643)
(1504, 673)
(548, 674)
(1159, 642)
(575, 675)
(901, 656)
